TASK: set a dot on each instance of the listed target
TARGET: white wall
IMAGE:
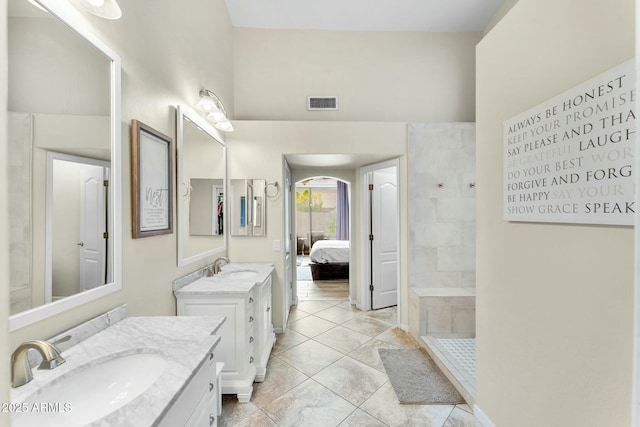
(554, 301)
(504, 9)
(66, 198)
(52, 70)
(153, 79)
(378, 76)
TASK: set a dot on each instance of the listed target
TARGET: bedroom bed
(329, 260)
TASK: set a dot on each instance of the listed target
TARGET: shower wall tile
(458, 258)
(435, 235)
(463, 319)
(442, 204)
(447, 279)
(441, 312)
(426, 260)
(460, 210)
(468, 280)
(460, 160)
(439, 320)
(19, 147)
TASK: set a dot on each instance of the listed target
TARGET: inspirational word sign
(570, 159)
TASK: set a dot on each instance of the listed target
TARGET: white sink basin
(86, 395)
(238, 274)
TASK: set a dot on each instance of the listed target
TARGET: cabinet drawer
(204, 414)
(197, 400)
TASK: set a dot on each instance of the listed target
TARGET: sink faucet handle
(61, 340)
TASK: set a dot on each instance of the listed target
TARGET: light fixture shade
(207, 104)
(224, 125)
(216, 116)
(210, 104)
(107, 9)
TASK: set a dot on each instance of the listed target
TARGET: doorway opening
(322, 239)
(77, 237)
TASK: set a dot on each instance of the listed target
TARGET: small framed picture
(151, 183)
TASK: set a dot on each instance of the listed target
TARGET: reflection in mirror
(206, 205)
(63, 112)
(201, 165)
(77, 225)
(248, 208)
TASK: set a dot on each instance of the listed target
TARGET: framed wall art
(151, 183)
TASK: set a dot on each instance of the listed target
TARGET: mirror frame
(184, 112)
(72, 18)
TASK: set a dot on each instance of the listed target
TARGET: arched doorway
(322, 236)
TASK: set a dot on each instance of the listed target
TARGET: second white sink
(87, 394)
(238, 274)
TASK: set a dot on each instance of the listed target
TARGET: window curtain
(342, 212)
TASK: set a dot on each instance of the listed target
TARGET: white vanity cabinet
(247, 336)
(197, 404)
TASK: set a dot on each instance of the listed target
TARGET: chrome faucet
(216, 264)
(21, 369)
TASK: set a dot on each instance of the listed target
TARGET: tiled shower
(441, 170)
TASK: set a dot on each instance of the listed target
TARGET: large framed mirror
(201, 176)
(248, 207)
(64, 145)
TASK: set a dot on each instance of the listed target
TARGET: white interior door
(92, 228)
(385, 242)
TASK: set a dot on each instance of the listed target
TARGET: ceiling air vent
(322, 103)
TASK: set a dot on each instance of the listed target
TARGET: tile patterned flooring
(325, 371)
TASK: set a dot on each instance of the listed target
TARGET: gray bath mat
(417, 379)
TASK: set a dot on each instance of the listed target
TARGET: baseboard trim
(482, 417)
(404, 327)
(278, 330)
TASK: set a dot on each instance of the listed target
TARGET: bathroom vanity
(242, 293)
(136, 371)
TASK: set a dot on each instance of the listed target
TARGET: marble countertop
(184, 342)
(222, 283)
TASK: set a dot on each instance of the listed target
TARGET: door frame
(51, 156)
(364, 302)
(289, 294)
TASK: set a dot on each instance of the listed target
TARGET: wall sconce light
(212, 107)
(107, 9)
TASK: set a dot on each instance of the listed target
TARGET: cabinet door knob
(250, 300)
(210, 356)
(250, 339)
(212, 419)
(251, 359)
(268, 309)
(250, 319)
(210, 386)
